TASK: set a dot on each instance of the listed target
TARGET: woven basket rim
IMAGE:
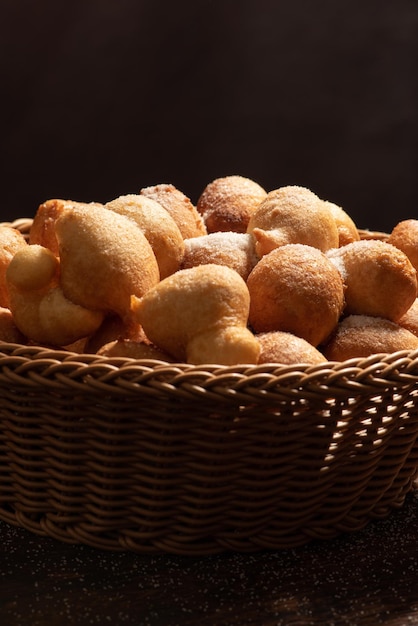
(34, 364)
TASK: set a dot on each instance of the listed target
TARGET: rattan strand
(154, 457)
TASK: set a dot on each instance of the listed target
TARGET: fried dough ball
(362, 336)
(42, 230)
(105, 259)
(226, 204)
(287, 349)
(127, 348)
(51, 318)
(380, 280)
(290, 215)
(179, 206)
(347, 229)
(231, 345)
(405, 237)
(295, 288)
(40, 310)
(9, 332)
(11, 240)
(33, 268)
(410, 319)
(158, 227)
(199, 315)
(235, 250)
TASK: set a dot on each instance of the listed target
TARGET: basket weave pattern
(154, 457)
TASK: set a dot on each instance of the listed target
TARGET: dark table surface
(368, 577)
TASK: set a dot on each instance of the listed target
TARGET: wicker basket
(153, 457)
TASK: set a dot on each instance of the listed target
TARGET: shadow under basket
(156, 457)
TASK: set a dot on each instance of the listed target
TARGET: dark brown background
(101, 98)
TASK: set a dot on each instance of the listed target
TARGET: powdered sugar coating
(227, 203)
(235, 250)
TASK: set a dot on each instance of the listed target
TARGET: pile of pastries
(244, 276)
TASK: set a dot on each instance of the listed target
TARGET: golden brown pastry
(362, 336)
(9, 332)
(347, 229)
(379, 278)
(295, 288)
(33, 268)
(158, 227)
(105, 259)
(235, 250)
(181, 209)
(287, 349)
(11, 240)
(293, 214)
(42, 230)
(127, 348)
(410, 319)
(199, 315)
(405, 237)
(40, 310)
(226, 204)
